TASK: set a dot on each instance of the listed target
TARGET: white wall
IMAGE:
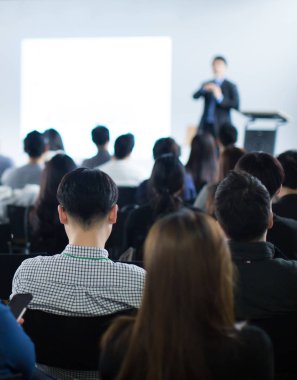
(256, 36)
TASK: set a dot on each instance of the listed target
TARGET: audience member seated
(185, 327)
(54, 143)
(266, 286)
(166, 145)
(202, 163)
(287, 204)
(227, 161)
(122, 169)
(5, 163)
(17, 178)
(17, 353)
(82, 281)
(47, 233)
(100, 137)
(227, 136)
(269, 171)
(166, 183)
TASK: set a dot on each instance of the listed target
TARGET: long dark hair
(166, 184)
(188, 297)
(44, 219)
(53, 139)
(203, 163)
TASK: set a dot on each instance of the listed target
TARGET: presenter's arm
(231, 100)
(199, 93)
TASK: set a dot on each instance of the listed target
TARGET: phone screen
(18, 304)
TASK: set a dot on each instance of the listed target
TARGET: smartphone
(18, 304)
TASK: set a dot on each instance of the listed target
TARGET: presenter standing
(220, 96)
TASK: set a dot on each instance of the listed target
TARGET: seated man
(287, 204)
(122, 169)
(269, 171)
(100, 137)
(82, 281)
(17, 178)
(266, 286)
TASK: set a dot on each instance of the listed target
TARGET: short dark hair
(34, 144)
(100, 135)
(242, 206)
(265, 167)
(166, 145)
(87, 195)
(219, 58)
(228, 134)
(124, 145)
(288, 161)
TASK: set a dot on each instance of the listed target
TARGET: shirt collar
(251, 251)
(85, 252)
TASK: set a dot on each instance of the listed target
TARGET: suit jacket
(286, 206)
(222, 110)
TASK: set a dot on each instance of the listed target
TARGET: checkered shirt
(81, 281)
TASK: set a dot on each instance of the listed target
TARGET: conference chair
(19, 227)
(67, 342)
(12, 377)
(5, 238)
(127, 196)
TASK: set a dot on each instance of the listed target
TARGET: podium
(262, 138)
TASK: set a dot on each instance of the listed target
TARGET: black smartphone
(19, 303)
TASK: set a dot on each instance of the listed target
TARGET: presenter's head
(219, 66)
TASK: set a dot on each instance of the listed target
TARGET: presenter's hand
(209, 87)
(217, 92)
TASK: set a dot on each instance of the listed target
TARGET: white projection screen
(74, 84)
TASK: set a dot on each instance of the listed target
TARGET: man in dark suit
(220, 96)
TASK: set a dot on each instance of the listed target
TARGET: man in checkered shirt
(82, 281)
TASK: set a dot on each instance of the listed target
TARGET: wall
(257, 37)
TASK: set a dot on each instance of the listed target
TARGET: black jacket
(265, 286)
(286, 206)
(222, 110)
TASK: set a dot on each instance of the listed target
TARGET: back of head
(228, 159)
(288, 161)
(87, 195)
(34, 144)
(242, 206)
(166, 145)
(265, 167)
(54, 171)
(228, 135)
(180, 299)
(123, 146)
(166, 183)
(202, 163)
(53, 139)
(100, 135)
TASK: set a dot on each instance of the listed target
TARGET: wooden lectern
(262, 139)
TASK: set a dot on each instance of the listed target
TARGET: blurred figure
(185, 327)
(287, 204)
(166, 145)
(122, 169)
(17, 178)
(53, 142)
(228, 159)
(220, 97)
(202, 163)
(227, 136)
(48, 234)
(5, 163)
(100, 137)
(166, 188)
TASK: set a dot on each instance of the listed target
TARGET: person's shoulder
(253, 336)
(130, 268)
(41, 261)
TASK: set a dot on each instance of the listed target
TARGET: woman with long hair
(203, 163)
(47, 233)
(166, 186)
(185, 326)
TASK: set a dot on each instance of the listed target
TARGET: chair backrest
(282, 331)
(127, 196)
(5, 238)
(68, 342)
(19, 221)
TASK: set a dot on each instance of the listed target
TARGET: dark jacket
(222, 110)
(286, 206)
(265, 286)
